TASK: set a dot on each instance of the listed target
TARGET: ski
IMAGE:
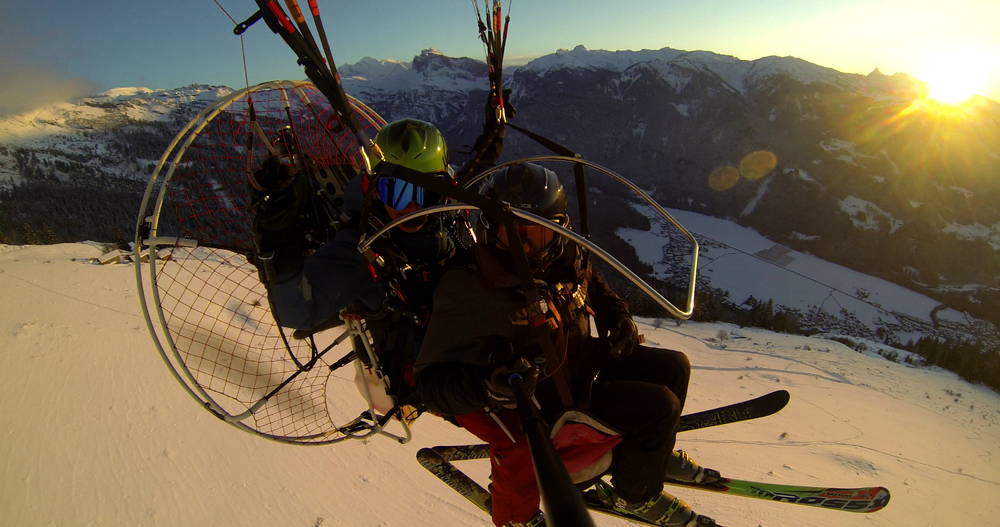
(438, 460)
(595, 504)
(592, 500)
(762, 406)
(860, 499)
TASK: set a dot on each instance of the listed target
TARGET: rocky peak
(431, 61)
(372, 70)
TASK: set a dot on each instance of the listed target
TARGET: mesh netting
(214, 308)
(208, 190)
(217, 314)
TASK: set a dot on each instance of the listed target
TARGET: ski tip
(425, 454)
(867, 500)
(880, 500)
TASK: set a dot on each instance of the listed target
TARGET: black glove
(498, 384)
(494, 129)
(623, 338)
(490, 152)
(491, 109)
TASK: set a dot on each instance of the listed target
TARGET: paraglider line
(243, 49)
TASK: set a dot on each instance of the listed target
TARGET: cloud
(32, 63)
(25, 88)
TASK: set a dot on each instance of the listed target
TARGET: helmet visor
(398, 194)
(539, 238)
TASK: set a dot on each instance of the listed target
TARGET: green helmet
(413, 144)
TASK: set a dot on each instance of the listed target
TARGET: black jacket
(480, 321)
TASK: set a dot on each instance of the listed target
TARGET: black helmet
(287, 148)
(537, 190)
(529, 187)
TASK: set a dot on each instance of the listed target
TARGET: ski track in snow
(97, 432)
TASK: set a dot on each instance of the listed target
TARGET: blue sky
(66, 47)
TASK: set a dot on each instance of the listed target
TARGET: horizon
(62, 51)
(517, 62)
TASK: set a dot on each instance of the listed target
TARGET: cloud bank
(25, 88)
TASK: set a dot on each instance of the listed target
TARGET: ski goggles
(398, 194)
(539, 238)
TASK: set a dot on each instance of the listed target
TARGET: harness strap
(559, 375)
(536, 306)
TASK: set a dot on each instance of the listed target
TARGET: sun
(954, 77)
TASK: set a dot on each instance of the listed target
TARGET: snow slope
(45, 126)
(745, 263)
(96, 432)
(84, 131)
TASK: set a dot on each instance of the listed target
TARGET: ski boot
(662, 509)
(682, 468)
(537, 521)
(302, 334)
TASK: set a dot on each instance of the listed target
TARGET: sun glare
(954, 77)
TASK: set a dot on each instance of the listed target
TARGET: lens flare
(723, 178)
(756, 165)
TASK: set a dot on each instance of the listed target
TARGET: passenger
(480, 333)
(308, 291)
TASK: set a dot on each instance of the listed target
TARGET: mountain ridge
(849, 182)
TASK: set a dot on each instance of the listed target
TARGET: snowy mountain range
(98, 134)
(77, 171)
(864, 173)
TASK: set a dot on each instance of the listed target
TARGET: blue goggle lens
(398, 194)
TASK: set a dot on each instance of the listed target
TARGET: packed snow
(974, 231)
(97, 432)
(867, 215)
(38, 127)
(732, 254)
(801, 174)
(761, 191)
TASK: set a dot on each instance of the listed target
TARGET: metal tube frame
(683, 314)
(147, 225)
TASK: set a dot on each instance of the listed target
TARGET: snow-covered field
(790, 278)
(96, 431)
